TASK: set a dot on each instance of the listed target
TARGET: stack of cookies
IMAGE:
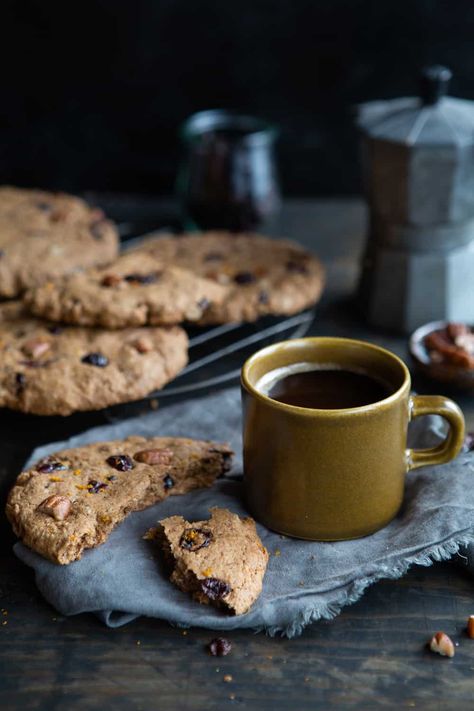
(91, 328)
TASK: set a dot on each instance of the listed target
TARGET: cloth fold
(305, 581)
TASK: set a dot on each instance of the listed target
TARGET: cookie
(220, 562)
(47, 369)
(44, 235)
(73, 499)
(262, 275)
(135, 290)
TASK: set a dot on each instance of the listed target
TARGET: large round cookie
(73, 499)
(135, 290)
(50, 370)
(44, 235)
(262, 275)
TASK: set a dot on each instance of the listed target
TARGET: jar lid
(430, 119)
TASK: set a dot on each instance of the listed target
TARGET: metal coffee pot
(418, 161)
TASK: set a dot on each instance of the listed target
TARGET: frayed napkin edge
(437, 553)
(328, 611)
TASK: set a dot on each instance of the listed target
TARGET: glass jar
(228, 178)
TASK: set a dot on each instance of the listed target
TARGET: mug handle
(450, 447)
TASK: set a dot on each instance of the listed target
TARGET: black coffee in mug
(325, 388)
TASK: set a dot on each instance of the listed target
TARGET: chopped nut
(35, 347)
(143, 345)
(442, 644)
(154, 456)
(111, 280)
(454, 344)
(470, 626)
(56, 506)
(454, 330)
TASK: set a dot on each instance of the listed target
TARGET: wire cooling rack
(217, 354)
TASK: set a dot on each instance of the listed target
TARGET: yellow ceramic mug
(334, 474)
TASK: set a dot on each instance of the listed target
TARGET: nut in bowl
(444, 351)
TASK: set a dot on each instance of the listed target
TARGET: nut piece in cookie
(72, 500)
(56, 506)
(220, 562)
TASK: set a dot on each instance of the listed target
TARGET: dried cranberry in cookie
(47, 465)
(215, 589)
(168, 482)
(95, 486)
(97, 359)
(195, 538)
(121, 462)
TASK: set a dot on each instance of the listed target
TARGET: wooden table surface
(372, 655)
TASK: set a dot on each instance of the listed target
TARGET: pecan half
(154, 456)
(56, 506)
(143, 345)
(442, 644)
(35, 347)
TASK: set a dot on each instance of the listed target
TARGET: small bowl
(443, 372)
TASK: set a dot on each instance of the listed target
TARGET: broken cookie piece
(220, 562)
(72, 500)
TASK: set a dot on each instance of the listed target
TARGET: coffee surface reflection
(328, 389)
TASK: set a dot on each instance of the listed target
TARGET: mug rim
(345, 411)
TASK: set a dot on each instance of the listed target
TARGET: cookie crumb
(154, 404)
(231, 697)
(184, 633)
(227, 678)
(277, 552)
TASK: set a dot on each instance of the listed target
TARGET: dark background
(93, 92)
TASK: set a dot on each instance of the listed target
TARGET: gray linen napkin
(305, 581)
